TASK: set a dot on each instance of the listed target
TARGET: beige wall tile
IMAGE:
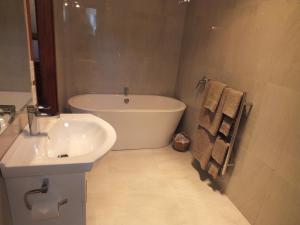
(288, 166)
(252, 46)
(282, 205)
(14, 61)
(271, 131)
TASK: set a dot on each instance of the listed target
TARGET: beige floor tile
(153, 187)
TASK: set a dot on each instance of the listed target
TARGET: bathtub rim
(177, 109)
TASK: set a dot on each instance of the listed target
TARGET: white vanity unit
(45, 174)
(63, 202)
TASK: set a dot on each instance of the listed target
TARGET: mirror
(15, 85)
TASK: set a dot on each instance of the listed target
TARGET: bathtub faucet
(125, 91)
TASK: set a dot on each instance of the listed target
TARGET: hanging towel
(202, 146)
(232, 102)
(211, 121)
(213, 169)
(226, 125)
(213, 96)
(219, 150)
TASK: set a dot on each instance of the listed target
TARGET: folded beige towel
(232, 102)
(213, 95)
(219, 150)
(213, 169)
(202, 146)
(226, 126)
(211, 121)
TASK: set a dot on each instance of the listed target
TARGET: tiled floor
(154, 187)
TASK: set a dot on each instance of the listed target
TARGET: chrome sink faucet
(33, 112)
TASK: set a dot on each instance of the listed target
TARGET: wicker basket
(180, 145)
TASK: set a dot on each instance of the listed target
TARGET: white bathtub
(147, 121)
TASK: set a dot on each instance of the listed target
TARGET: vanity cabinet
(68, 191)
(46, 172)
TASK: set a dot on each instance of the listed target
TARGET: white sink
(69, 144)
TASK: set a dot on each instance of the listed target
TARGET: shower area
(104, 46)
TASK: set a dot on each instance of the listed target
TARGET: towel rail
(243, 106)
(203, 81)
(244, 109)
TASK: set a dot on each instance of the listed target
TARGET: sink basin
(72, 138)
(68, 144)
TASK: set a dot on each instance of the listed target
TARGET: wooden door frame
(45, 69)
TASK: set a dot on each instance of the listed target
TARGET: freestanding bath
(141, 121)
